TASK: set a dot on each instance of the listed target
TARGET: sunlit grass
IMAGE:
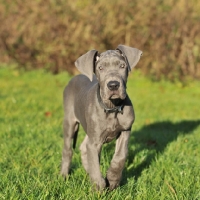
(163, 161)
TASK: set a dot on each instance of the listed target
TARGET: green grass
(164, 150)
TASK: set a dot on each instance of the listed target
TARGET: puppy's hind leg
(84, 157)
(70, 132)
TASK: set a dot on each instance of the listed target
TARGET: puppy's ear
(131, 55)
(85, 64)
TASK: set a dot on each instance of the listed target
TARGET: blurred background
(52, 34)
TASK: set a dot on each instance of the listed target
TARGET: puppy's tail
(75, 136)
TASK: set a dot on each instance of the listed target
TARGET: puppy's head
(111, 69)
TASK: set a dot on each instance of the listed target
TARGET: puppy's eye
(100, 67)
(122, 66)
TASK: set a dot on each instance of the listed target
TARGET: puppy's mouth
(115, 95)
(107, 94)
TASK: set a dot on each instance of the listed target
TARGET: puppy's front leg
(114, 172)
(93, 156)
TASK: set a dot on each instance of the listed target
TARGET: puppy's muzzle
(113, 85)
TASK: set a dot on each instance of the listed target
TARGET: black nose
(113, 85)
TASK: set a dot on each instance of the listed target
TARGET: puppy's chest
(111, 128)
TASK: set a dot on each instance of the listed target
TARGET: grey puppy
(97, 100)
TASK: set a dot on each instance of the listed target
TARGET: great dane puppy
(97, 100)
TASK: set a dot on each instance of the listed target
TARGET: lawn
(164, 150)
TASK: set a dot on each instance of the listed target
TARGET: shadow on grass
(155, 137)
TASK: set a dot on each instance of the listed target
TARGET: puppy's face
(112, 71)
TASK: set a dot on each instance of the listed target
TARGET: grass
(164, 151)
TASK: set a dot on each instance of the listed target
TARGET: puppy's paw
(99, 185)
(112, 184)
(113, 179)
(64, 170)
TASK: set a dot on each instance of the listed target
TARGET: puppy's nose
(113, 85)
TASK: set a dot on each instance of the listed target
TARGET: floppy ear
(86, 62)
(131, 55)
